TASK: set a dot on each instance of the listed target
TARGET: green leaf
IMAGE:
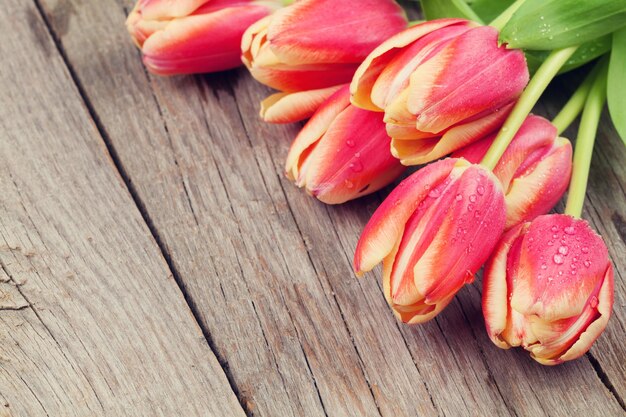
(587, 52)
(437, 9)
(490, 9)
(617, 77)
(554, 24)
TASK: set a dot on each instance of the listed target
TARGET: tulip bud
(534, 170)
(342, 153)
(442, 85)
(312, 47)
(548, 287)
(193, 36)
(432, 233)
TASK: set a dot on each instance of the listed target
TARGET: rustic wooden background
(156, 261)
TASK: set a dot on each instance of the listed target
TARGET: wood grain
(267, 269)
(91, 321)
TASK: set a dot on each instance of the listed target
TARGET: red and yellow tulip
(342, 153)
(432, 233)
(534, 171)
(442, 85)
(309, 49)
(193, 36)
(548, 287)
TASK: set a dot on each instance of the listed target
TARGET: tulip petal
(315, 129)
(496, 290)
(315, 31)
(293, 107)
(200, 43)
(560, 249)
(394, 78)
(368, 72)
(387, 224)
(593, 331)
(475, 223)
(352, 159)
(536, 191)
(416, 152)
(292, 78)
(471, 63)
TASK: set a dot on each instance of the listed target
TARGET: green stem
(525, 104)
(575, 104)
(288, 2)
(506, 15)
(585, 141)
(468, 11)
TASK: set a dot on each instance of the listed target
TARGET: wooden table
(157, 262)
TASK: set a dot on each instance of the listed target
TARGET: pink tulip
(193, 36)
(312, 47)
(442, 85)
(432, 233)
(342, 153)
(534, 171)
(548, 287)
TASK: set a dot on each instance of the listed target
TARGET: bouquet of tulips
(453, 94)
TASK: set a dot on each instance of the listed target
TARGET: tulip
(193, 36)
(342, 153)
(432, 233)
(312, 47)
(548, 287)
(442, 85)
(534, 171)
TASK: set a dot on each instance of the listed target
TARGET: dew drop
(550, 243)
(554, 229)
(477, 214)
(459, 197)
(348, 184)
(558, 259)
(587, 263)
(570, 230)
(554, 236)
(356, 166)
(544, 266)
(480, 190)
(350, 143)
(470, 207)
(434, 193)
(472, 198)
(563, 250)
(593, 302)
(585, 249)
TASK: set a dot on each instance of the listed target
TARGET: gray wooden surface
(156, 261)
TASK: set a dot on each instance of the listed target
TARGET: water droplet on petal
(544, 266)
(470, 207)
(459, 197)
(563, 250)
(558, 259)
(434, 193)
(570, 230)
(587, 263)
(550, 243)
(350, 143)
(348, 184)
(585, 249)
(480, 190)
(472, 198)
(554, 228)
(356, 166)
(593, 302)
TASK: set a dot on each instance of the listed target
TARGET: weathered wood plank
(267, 268)
(91, 320)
